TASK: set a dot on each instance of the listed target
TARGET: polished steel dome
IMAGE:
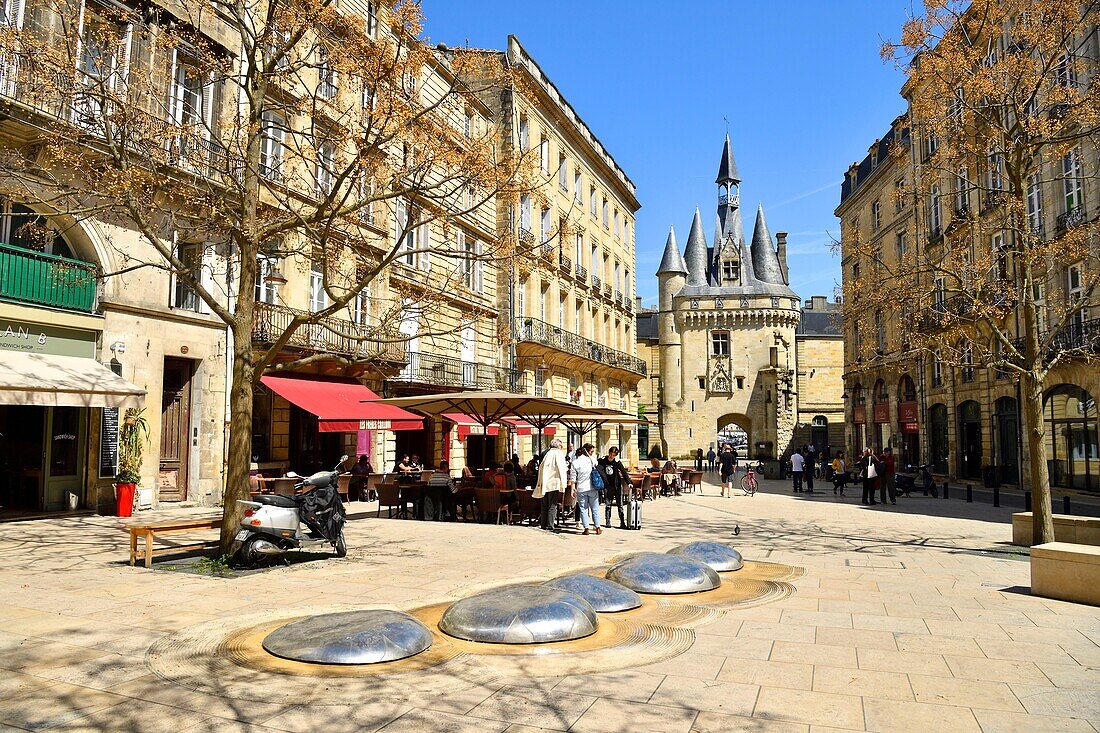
(606, 596)
(653, 572)
(718, 555)
(353, 637)
(524, 614)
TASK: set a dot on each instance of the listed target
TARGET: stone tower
(727, 331)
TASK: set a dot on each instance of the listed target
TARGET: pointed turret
(695, 255)
(727, 168)
(765, 262)
(672, 263)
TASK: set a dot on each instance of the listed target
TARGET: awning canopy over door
(468, 426)
(342, 406)
(48, 380)
(522, 427)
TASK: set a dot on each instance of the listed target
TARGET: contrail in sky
(801, 196)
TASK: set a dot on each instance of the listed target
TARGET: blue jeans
(589, 503)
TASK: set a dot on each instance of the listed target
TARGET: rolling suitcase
(634, 514)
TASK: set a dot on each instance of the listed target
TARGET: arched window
(907, 390)
(1073, 456)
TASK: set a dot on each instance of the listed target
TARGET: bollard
(969, 494)
(1027, 501)
(1065, 505)
(944, 489)
(996, 496)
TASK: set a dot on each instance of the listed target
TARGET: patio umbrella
(596, 418)
(487, 407)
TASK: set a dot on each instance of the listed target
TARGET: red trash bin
(124, 493)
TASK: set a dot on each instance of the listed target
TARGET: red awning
(342, 406)
(468, 426)
(522, 427)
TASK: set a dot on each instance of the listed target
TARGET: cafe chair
(389, 496)
(489, 501)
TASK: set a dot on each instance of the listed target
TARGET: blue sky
(800, 81)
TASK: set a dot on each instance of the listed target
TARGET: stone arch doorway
(970, 440)
(729, 430)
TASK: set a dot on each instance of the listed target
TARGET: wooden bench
(1066, 571)
(1067, 528)
(151, 530)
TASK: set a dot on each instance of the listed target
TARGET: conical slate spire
(727, 169)
(673, 262)
(765, 262)
(695, 255)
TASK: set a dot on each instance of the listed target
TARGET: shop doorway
(970, 440)
(417, 443)
(175, 424)
(938, 438)
(481, 450)
(1006, 418)
(42, 456)
(310, 450)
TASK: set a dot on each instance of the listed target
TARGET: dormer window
(731, 272)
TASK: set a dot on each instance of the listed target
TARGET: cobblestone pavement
(909, 618)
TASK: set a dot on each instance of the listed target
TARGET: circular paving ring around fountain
(606, 596)
(656, 573)
(532, 614)
(718, 555)
(352, 637)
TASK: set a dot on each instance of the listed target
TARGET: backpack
(597, 478)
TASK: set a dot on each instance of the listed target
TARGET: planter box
(1067, 528)
(1066, 571)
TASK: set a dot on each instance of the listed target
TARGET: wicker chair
(530, 508)
(389, 496)
(489, 502)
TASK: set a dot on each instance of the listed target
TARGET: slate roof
(672, 261)
(696, 254)
(865, 169)
(727, 168)
(647, 326)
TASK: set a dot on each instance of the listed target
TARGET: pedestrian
(798, 465)
(840, 472)
(808, 470)
(729, 469)
(868, 472)
(580, 482)
(710, 458)
(357, 487)
(823, 462)
(553, 473)
(886, 481)
(616, 482)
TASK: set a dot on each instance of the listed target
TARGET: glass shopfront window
(1073, 457)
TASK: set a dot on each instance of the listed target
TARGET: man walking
(798, 465)
(710, 458)
(552, 477)
(886, 482)
(869, 471)
(728, 461)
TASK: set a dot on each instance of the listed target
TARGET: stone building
(728, 324)
(570, 297)
(964, 420)
(820, 378)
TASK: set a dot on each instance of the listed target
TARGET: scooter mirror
(291, 474)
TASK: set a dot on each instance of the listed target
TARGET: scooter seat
(277, 500)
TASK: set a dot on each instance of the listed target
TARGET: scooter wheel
(935, 492)
(247, 557)
(341, 545)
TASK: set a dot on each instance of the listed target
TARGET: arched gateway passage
(729, 430)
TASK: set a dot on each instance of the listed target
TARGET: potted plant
(131, 444)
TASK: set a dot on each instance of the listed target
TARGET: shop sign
(859, 414)
(910, 427)
(108, 442)
(36, 338)
(374, 424)
(907, 412)
(882, 412)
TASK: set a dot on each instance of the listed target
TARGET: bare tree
(230, 132)
(1004, 109)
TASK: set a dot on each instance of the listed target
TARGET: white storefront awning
(48, 380)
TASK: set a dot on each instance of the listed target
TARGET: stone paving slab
(914, 617)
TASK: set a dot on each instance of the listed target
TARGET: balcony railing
(445, 371)
(540, 332)
(1082, 336)
(38, 278)
(565, 264)
(1071, 218)
(327, 335)
(581, 273)
(595, 281)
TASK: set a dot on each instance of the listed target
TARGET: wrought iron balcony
(1073, 217)
(526, 237)
(38, 278)
(595, 281)
(445, 371)
(565, 264)
(581, 274)
(328, 335)
(540, 332)
(1080, 338)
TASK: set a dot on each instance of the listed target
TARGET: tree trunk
(1031, 390)
(240, 429)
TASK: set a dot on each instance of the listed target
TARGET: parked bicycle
(749, 484)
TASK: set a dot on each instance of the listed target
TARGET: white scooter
(272, 524)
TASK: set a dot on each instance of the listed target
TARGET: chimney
(781, 251)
